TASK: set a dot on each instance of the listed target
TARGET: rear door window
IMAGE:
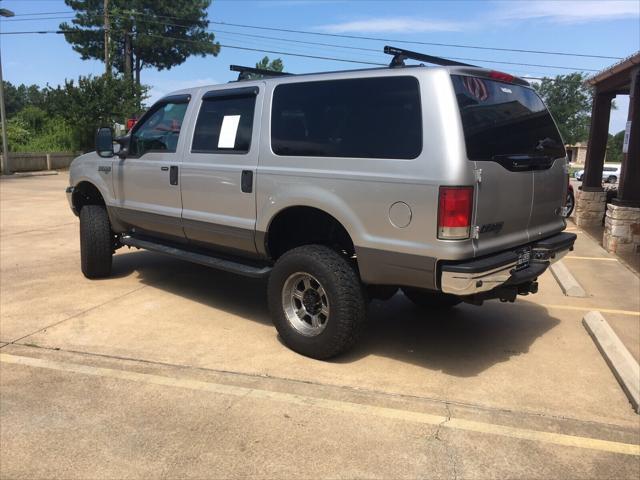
(224, 125)
(502, 119)
(362, 118)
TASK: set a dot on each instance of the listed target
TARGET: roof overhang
(616, 78)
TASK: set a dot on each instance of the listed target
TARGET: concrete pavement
(528, 366)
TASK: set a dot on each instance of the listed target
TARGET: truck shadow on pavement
(463, 341)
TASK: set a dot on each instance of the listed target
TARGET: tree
(273, 66)
(92, 103)
(264, 64)
(569, 101)
(18, 97)
(142, 33)
(614, 147)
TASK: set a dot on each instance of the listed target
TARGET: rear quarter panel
(359, 192)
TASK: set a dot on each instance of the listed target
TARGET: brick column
(621, 229)
(590, 207)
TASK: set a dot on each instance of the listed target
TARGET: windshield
(501, 119)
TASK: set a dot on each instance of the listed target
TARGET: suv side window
(376, 117)
(159, 130)
(224, 124)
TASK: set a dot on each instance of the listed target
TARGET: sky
(608, 28)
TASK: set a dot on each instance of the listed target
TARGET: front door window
(159, 131)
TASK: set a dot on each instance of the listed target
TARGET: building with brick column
(622, 221)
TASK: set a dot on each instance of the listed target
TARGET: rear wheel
(317, 302)
(96, 242)
(429, 299)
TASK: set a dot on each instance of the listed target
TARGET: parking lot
(170, 369)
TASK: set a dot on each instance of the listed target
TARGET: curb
(622, 364)
(569, 285)
(40, 173)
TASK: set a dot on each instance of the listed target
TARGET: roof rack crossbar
(400, 55)
(244, 72)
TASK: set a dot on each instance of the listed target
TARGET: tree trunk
(128, 56)
(107, 34)
(138, 68)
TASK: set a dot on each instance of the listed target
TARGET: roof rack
(400, 55)
(244, 72)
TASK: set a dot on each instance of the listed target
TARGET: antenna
(400, 55)
(244, 72)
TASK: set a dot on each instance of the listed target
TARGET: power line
(360, 37)
(261, 50)
(332, 45)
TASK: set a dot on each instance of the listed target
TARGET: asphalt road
(170, 369)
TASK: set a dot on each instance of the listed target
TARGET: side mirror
(104, 142)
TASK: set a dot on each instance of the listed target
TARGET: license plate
(524, 256)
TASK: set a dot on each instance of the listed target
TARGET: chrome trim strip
(470, 283)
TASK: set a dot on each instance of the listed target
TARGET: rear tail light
(504, 77)
(454, 212)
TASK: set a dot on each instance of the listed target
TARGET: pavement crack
(448, 448)
(75, 315)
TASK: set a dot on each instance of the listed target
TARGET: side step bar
(206, 260)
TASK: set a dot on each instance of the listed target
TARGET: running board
(206, 260)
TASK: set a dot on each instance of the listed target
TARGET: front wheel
(96, 242)
(429, 299)
(317, 302)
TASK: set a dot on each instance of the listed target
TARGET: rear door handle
(246, 181)
(173, 175)
(164, 169)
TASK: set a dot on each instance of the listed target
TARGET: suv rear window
(504, 119)
(362, 118)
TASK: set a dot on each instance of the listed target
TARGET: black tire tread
(348, 304)
(96, 243)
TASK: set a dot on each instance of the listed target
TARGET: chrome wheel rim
(306, 304)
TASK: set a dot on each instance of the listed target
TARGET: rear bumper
(505, 268)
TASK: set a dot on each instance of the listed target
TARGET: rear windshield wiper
(523, 161)
(546, 144)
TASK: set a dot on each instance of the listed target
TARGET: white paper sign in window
(228, 131)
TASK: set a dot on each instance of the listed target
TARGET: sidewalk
(611, 283)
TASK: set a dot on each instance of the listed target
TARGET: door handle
(173, 175)
(164, 169)
(246, 181)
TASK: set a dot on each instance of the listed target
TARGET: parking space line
(334, 405)
(587, 309)
(604, 259)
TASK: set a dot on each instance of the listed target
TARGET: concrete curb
(40, 173)
(622, 364)
(569, 285)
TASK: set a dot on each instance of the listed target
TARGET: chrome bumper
(485, 274)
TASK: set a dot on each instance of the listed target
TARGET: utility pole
(107, 32)
(5, 146)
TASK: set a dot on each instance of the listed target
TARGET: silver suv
(447, 182)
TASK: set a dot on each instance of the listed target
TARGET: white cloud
(567, 11)
(392, 25)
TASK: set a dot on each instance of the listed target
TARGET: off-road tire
(345, 294)
(428, 299)
(96, 242)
